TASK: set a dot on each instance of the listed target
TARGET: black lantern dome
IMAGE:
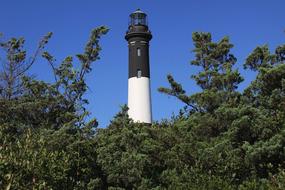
(138, 18)
(138, 26)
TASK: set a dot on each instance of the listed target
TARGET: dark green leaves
(46, 142)
(217, 77)
(227, 140)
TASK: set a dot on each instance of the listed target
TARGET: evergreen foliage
(221, 139)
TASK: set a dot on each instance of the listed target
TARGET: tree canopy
(222, 139)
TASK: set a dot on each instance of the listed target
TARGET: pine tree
(217, 79)
(45, 140)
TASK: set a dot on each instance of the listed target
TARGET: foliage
(45, 141)
(217, 78)
(221, 139)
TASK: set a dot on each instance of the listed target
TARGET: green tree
(46, 142)
(15, 65)
(217, 79)
(267, 94)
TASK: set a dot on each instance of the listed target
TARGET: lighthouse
(139, 98)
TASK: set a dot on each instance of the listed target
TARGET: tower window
(139, 74)
(139, 51)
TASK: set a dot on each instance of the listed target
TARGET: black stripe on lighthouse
(138, 37)
(139, 59)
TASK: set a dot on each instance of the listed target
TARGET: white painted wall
(139, 99)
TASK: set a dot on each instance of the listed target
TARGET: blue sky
(248, 23)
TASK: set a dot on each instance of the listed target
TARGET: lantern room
(138, 18)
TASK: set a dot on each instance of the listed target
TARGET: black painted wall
(138, 36)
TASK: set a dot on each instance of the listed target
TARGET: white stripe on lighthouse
(139, 99)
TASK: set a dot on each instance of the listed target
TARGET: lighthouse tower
(138, 37)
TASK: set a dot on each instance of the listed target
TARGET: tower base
(139, 99)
